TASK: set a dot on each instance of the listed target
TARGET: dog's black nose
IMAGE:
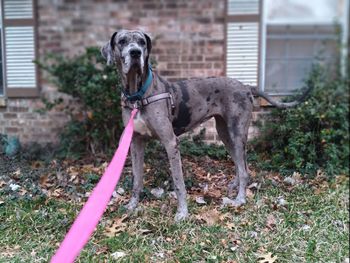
(135, 53)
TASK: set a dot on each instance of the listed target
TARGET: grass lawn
(307, 221)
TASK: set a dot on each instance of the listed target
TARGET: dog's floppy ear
(149, 43)
(107, 50)
(112, 40)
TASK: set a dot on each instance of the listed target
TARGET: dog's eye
(122, 41)
(142, 42)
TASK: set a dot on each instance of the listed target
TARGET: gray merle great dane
(167, 110)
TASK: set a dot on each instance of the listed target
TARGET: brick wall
(188, 41)
(188, 36)
(21, 118)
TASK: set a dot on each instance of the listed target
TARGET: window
(290, 52)
(298, 34)
(273, 43)
(18, 36)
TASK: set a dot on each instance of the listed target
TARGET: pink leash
(90, 215)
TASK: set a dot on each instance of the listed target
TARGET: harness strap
(146, 101)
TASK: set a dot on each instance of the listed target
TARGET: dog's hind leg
(221, 128)
(238, 130)
(234, 132)
(239, 156)
(137, 156)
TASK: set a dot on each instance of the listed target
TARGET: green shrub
(197, 147)
(313, 135)
(96, 86)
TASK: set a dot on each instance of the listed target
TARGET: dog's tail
(281, 105)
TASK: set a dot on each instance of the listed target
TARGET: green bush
(197, 147)
(313, 135)
(96, 86)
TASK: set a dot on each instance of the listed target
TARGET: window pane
(276, 48)
(301, 11)
(297, 72)
(301, 48)
(290, 52)
(326, 49)
(275, 76)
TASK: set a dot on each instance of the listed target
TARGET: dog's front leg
(172, 148)
(137, 158)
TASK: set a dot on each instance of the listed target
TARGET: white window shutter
(240, 7)
(18, 9)
(20, 48)
(242, 47)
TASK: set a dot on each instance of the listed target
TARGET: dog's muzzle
(135, 53)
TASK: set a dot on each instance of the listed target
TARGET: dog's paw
(233, 203)
(181, 215)
(238, 202)
(131, 206)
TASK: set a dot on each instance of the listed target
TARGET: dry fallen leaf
(200, 200)
(117, 227)
(62, 211)
(22, 191)
(2, 183)
(118, 254)
(14, 187)
(101, 250)
(37, 165)
(144, 231)
(230, 226)
(267, 258)
(16, 173)
(43, 180)
(10, 252)
(210, 217)
(157, 192)
(271, 222)
(56, 193)
(250, 194)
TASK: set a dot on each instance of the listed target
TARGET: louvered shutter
(242, 34)
(20, 48)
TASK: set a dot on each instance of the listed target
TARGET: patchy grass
(306, 222)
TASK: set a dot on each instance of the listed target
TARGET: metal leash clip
(137, 104)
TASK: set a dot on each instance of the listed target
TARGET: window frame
(2, 43)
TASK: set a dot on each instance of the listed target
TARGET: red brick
(11, 129)
(18, 109)
(168, 73)
(8, 115)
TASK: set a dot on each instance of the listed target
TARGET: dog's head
(129, 50)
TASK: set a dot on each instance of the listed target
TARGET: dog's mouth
(132, 65)
(135, 63)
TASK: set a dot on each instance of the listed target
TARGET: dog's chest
(140, 125)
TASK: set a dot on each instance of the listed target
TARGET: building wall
(188, 41)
